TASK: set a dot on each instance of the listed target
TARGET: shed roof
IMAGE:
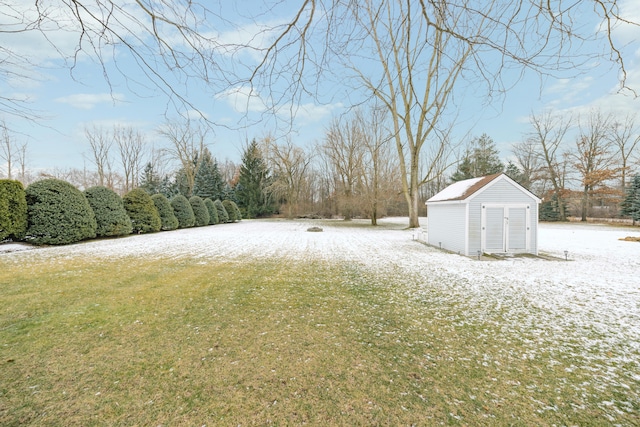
(462, 190)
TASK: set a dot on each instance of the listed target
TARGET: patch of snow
(455, 190)
(588, 306)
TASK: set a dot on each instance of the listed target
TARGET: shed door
(495, 230)
(517, 230)
(505, 228)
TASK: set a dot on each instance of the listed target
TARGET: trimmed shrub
(142, 211)
(232, 210)
(111, 217)
(238, 211)
(223, 216)
(213, 212)
(183, 211)
(167, 217)
(58, 214)
(200, 211)
(13, 210)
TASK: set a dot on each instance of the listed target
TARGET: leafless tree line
(354, 169)
(422, 50)
(584, 161)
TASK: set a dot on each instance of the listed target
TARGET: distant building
(492, 214)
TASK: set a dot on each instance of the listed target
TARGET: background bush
(111, 217)
(142, 211)
(13, 210)
(223, 216)
(183, 211)
(213, 212)
(232, 210)
(237, 209)
(167, 217)
(58, 213)
(199, 211)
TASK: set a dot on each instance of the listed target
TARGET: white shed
(492, 214)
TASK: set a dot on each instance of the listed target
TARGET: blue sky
(69, 102)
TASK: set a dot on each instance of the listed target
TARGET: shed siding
(501, 192)
(446, 220)
(445, 225)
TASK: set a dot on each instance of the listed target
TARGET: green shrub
(142, 211)
(111, 217)
(213, 212)
(238, 211)
(199, 211)
(167, 217)
(232, 210)
(183, 211)
(13, 210)
(223, 216)
(58, 213)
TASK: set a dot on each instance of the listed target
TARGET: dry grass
(183, 343)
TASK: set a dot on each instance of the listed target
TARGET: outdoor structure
(491, 214)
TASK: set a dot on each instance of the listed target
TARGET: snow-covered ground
(593, 299)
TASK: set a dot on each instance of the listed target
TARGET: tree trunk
(585, 203)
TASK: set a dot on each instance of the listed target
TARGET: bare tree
(380, 172)
(101, 142)
(186, 143)
(529, 162)
(289, 166)
(425, 48)
(594, 158)
(547, 136)
(131, 146)
(344, 149)
(6, 148)
(625, 135)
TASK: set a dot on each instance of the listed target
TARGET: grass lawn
(183, 342)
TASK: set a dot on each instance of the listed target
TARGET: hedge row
(54, 212)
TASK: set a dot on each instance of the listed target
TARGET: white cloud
(194, 115)
(87, 101)
(244, 100)
(312, 113)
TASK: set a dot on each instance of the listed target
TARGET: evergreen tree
(13, 210)
(550, 209)
(111, 217)
(200, 211)
(142, 211)
(208, 182)
(630, 206)
(223, 216)
(150, 181)
(213, 212)
(251, 195)
(183, 211)
(58, 213)
(513, 171)
(168, 219)
(481, 158)
(168, 188)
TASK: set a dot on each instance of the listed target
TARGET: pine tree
(251, 195)
(630, 206)
(150, 181)
(208, 181)
(513, 171)
(481, 158)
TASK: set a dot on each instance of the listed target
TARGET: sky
(64, 100)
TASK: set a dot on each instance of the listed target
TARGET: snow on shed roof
(462, 189)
